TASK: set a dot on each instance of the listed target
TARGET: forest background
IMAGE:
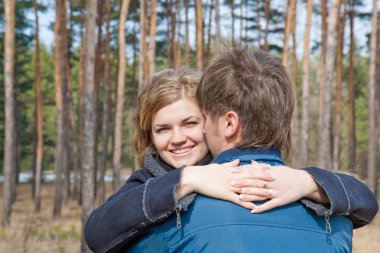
(69, 101)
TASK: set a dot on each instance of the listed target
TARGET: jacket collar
(246, 155)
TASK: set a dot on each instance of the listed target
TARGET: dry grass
(31, 233)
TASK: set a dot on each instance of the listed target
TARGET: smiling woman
(177, 133)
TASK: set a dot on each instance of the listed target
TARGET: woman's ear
(231, 125)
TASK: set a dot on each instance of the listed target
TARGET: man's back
(219, 226)
(212, 225)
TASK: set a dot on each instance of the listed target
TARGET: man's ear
(231, 125)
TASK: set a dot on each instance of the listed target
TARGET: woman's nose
(178, 137)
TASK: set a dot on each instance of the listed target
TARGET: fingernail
(233, 183)
(253, 211)
(241, 196)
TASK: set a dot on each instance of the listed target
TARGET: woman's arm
(324, 191)
(142, 201)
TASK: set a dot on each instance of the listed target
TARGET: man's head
(247, 99)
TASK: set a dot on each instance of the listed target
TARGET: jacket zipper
(327, 219)
(178, 213)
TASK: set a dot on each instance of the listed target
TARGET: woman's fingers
(262, 172)
(253, 183)
(233, 163)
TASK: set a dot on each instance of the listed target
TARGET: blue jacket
(148, 198)
(212, 225)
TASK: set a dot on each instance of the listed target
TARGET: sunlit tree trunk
(38, 113)
(258, 16)
(267, 17)
(288, 27)
(232, 5)
(324, 155)
(338, 88)
(9, 142)
(142, 50)
(177, 35)
(217, 26)
(351, 93)
(187, 47)
(208, 44)
(295, 123)
(304, 144)
(89, 141)
(120, 96)
(199, 34)
(152, 39)
(60, 76)
(322, 64)
(372, 131)
(106, 106)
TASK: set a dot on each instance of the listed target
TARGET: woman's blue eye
(191, 123)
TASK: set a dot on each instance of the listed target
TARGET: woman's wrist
(316, 192)
(185, 186)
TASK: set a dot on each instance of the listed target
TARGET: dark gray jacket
(148, 197)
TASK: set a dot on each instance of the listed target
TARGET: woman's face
(177, 133)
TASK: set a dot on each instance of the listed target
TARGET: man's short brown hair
(256, 86)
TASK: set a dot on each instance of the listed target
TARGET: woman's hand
(216, 180)
(289, 185)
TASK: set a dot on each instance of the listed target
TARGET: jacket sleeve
(348, 196)
(142, 201)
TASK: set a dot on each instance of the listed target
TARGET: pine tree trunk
(217, 26)
(152, 40)
(60, 76)
(352, 95)
(338, 89)
(142, 50)
(295, 123)
(89, 126)
(120, 96)
(372, 131)
(258, 16)
(106, 106)
(322, 65)
(187, 47)
(304, 155)
(9, 143)
(177, 48)
(288, 27)
(325, 156)
(267, 17)
(232, 5)
(199, 34)
(38, 113)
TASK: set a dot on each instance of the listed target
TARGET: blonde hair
(165, 88)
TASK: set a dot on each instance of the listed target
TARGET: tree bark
(38, 115)
(295, 123)
(304, 155)
(199, 34)
(60, 76)
(120, 96)
(152, 40)
(322, 64)
(142, 50)
(372, 130)
(106, 106)
(324, 155)
(217, 26)
(177, 48)
(267, 17)
(338, 89)
(351, 92)
(288, 27)
(9, 143)
(187, 47)
(89, 120)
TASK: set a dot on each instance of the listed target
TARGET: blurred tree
(373, 125)
(9, 144)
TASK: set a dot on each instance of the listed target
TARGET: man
(247, 100)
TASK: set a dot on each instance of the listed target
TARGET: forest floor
(30, 233)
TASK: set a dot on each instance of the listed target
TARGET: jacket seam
(347, 196)
(145, 200)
